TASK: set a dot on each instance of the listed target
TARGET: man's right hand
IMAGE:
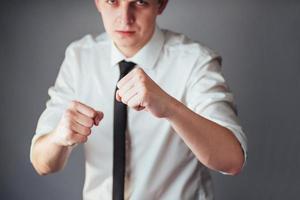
(75, 124)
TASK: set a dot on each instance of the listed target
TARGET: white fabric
(159, 165)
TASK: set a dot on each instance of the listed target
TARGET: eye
(111, 2)
(141, 2)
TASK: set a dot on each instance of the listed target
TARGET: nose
(126, 15)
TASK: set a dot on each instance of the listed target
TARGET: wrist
(56, 140)
(172, 108)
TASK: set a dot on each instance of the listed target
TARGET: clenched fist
(139, 91)
(75, 124)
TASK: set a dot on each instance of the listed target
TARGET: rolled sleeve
(209, 96)
(61, 93)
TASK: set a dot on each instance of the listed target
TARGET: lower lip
(125, 33)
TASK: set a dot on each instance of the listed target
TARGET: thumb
(98, 117)
(118, 97)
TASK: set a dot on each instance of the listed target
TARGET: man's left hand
(140, 92)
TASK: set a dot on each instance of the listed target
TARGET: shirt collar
(145, 57)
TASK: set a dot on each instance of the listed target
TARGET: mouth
(125, 33)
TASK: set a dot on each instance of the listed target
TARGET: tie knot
(125, 67)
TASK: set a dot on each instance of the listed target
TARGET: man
(180, 117)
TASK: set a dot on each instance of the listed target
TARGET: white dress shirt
(159, 165)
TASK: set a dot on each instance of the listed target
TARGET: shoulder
(87, 43)
(180, 44)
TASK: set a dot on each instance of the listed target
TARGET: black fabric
(120, 124)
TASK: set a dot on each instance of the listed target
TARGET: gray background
(259, 41)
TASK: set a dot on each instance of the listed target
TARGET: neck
(128, 52)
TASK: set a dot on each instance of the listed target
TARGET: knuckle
(92, 112)
(68, 136)
(80, 139)
(69, 125)
(88, 131)
(69, 113)
(90, 123)
(120, 92)
(83, 139)
(124, 100)
(139, 70)
(73, 104)
(73, 136)
(143, 91)
(85, 131)
(130, 104)
(141, 78)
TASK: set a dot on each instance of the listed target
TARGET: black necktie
(120, 124)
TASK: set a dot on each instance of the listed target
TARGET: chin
(127, 46)
(126, 43)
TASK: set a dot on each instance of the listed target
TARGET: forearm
(51, 151)
(48, 157)
(214, 146)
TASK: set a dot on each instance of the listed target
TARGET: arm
(50, 152)
(48, 157)
(215, 146)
